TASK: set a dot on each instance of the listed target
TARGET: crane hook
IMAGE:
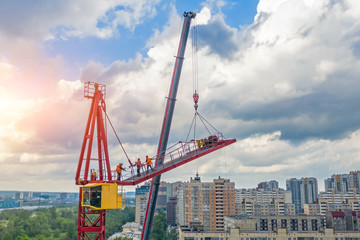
(196, 99)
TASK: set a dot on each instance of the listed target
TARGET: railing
(89, 89)
(173, 154)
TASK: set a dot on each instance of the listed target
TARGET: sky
(280, 76)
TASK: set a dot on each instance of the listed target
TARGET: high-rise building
(140, 208)
(171, 211)
(141, 198)
(142, 195)
(343, 182)
(206, 202)
(303, 191)
(171, 189)
(161, 200)
(263, 202)
(268, 186)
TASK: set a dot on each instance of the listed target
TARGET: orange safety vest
(138, 163)
(118, 168)
(148, 161)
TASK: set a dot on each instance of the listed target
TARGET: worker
(138, 165)
(93, 175)
(148, 163)
(119, 169)
(200, 143)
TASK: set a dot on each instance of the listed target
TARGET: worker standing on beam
(148, 163)
(138, 165)
(119, 169)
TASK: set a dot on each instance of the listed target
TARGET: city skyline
(255, 186)
(281, 77)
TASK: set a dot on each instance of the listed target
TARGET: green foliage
(171, 235)
(159, 227)
(42, 223)
(116, 218)
(54, 223)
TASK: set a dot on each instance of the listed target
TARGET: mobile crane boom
(165, 130)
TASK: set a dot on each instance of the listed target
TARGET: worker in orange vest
(138, 165)
(148, 163)
(119, 168)
(93, 174)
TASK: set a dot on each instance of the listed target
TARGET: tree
(38, 224)
(159, 227)
(171, 235)
(116, 218)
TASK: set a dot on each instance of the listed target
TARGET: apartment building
(343, 182)
(303, 191)
(263, 202)
(271, 227)
(206, 203)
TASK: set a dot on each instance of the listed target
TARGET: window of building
(304, 225)
(294, 225)
(314, 224)
(273, 224)
(263, 225)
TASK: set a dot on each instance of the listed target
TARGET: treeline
(116, 218)
(159, 229)
(54, 223)
(40, 224)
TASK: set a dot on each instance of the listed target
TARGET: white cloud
(74, 19)
(203, 17)
(67, 89)
(29, 158)
(286, 89)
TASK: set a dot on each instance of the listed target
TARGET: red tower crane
(99, 190)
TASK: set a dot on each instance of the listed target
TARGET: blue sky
(129, 42)
(280, 76)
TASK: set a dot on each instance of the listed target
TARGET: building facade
(206, 203)
(271, 228)
(141, 198)
(303, 191)
(343, 182)
(271, 185)
(263, 202)
(171, 211)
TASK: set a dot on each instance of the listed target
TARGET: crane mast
(165, 130)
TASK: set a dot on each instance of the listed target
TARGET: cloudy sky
(280, 76)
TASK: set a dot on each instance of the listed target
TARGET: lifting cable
(195, 75)
(118, 139)
(196, 86)
(194, 57)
